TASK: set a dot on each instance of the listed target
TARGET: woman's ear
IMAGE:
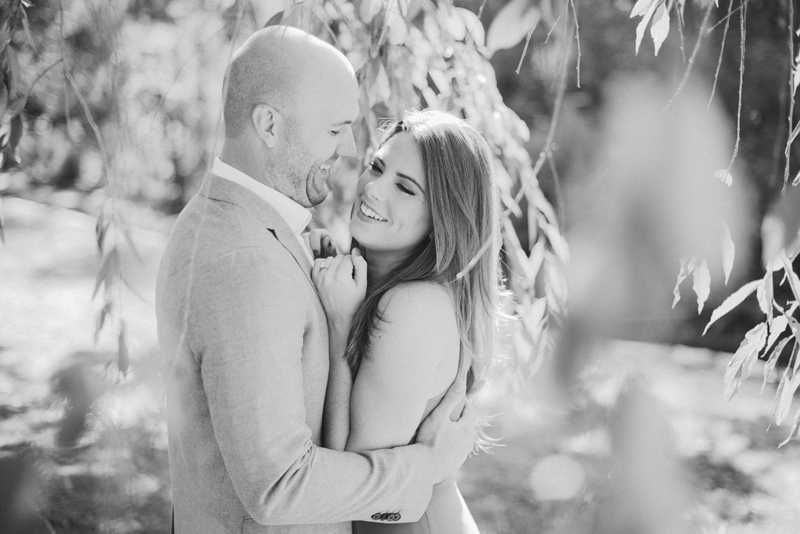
(268, 124)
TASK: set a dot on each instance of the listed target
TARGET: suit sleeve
(248, 325)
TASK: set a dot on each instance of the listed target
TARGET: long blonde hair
(461, 198)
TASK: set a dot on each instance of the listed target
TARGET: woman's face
(391, 212)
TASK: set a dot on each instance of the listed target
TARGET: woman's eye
(404, 189)
(373, 168)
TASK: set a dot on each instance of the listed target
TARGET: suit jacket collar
(218, 188)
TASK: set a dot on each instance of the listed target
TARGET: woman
(417, 313)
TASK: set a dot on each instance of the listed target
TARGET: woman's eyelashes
(377, 170)
(404, 189)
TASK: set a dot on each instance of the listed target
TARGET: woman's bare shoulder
(429, 298)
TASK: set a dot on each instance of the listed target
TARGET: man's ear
(268, 124)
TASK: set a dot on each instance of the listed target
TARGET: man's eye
(335, 132)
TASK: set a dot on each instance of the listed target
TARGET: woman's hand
(342, 284)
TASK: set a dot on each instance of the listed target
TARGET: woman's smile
(367, 212)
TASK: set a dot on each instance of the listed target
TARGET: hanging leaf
(377, 83)
(728, 252)
(511, 24)
(100, 229)
(10, 158)
(3, 98)
(368, 10)
(786, 389)
(765, 293)
(702, 284)
(126, 232)
(12, 72)
(660, 27)
(452, 22)
(473, 25)
(769, 366)
(101, 319)
(641, 7)
(687, 264)
(123, 359)
(724, 176)
(645, 21)
(741, 362)
(398, 30)
(794, 282)
(793, 432)
(732, 301)
(776, 328)
(108, 271)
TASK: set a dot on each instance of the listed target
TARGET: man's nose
(347, 146)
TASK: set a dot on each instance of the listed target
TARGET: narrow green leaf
(645, 21)
(101, 319)
(741, 362)
(100, 229)
(12, 71)
(682, 274)
(794, 282)
(794, 431)
(641, 7)
(511, 24)
(702, 284)
(660, 27)
(769, 366)
(108, 271)
(728, 252)
(123, 359)
(732, 301)
(776, 327)
(786, 389)
(126, 231)
(765, 293)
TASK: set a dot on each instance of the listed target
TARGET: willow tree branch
(742, 29)
(721, 50)
(686, 74)
(792, 74)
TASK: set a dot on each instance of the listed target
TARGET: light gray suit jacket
(246, 342)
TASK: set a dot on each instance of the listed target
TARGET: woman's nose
(373, 190)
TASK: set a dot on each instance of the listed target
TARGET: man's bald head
(275, 66)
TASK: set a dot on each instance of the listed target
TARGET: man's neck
(241, 158)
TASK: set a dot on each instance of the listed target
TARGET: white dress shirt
(295, 215)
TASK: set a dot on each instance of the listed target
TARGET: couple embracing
(330, 394)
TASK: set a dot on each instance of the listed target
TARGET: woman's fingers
(360, 269)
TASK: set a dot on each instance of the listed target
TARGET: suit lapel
(218, 188)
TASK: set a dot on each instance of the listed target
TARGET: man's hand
(320, 243)
(449, 430)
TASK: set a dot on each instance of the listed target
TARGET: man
(246, 335)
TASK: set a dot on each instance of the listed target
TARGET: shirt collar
(295, 215)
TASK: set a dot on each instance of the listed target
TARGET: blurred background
(639, 191)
